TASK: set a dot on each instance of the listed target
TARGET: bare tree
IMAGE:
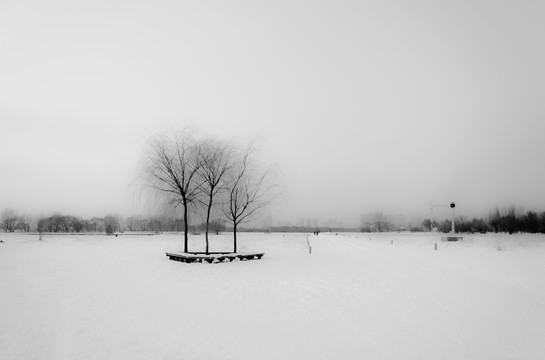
(9, 220)
(380, 220)
(247, 192)
(132, 223)
(216, 161)
(43, 225)
(112, 223)
(96, 224)
(217, 226)
(171, 170)
(77, 224)
(23, 223)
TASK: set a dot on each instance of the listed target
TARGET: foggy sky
(364, 106)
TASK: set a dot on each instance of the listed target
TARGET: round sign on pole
(452, 205)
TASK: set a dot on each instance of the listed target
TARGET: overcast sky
(364, 105)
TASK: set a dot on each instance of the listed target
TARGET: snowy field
(356, 296)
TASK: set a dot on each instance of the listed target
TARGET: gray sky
(382, 105)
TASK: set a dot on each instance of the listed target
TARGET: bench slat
(213, 257)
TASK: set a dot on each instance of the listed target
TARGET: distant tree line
(11, 221)
(507, 221)
(307, 229)
(72, 224)
(462, 224)
(169, 224)
(513, 221)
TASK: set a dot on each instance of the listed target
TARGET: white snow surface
(356, 296)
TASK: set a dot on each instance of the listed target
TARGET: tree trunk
(235, 237)
(207, 223)
(186, 228)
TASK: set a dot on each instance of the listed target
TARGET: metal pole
(453, 230)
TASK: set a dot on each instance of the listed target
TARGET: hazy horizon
(364, 106)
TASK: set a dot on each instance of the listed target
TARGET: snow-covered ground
(356, 296)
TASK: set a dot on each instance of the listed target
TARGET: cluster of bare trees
(12, 221)
(462, 225)
(509, 221)
(61, 223)
(68, 223)
(379, 223)
(206, 174)
(154, 224)
(513, 221)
